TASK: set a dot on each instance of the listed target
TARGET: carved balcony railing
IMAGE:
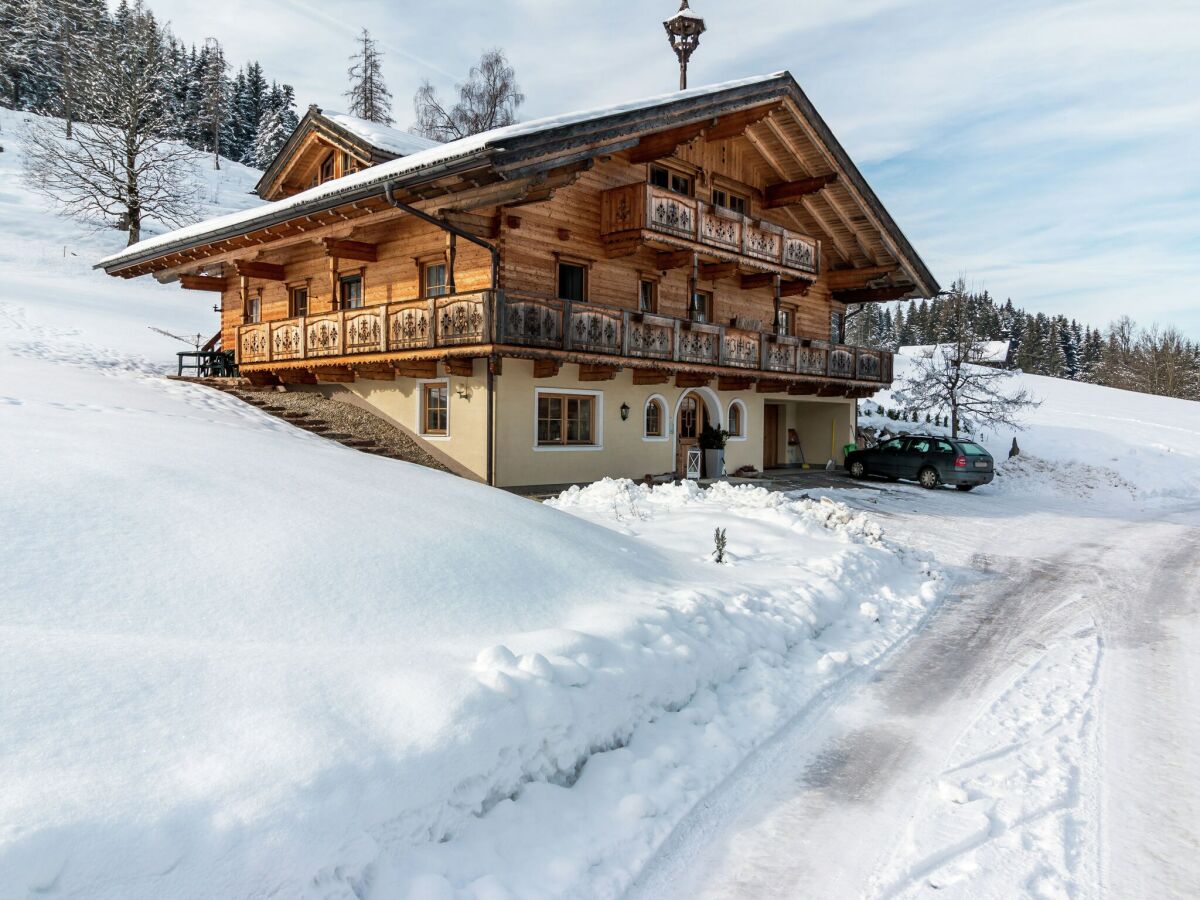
(495, 318)
(628, 211)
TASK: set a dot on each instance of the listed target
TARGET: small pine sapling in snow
(719, 543)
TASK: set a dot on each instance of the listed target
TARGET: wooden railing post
(431, 338)
(498, 317)
(341, 338)
(303, 336)
(625, 319)
(566, 335)
(721, 354)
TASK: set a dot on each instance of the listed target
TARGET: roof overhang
(522, 150)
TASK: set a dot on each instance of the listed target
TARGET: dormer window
(327, 169)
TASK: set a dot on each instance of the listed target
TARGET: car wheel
(964, 487)
(928, 478)
(857, 469)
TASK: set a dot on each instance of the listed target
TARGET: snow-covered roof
(986, 351)
(438, 154)
(384, 137)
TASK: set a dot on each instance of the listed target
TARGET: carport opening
(801, 434)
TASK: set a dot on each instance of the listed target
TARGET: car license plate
(980, 464)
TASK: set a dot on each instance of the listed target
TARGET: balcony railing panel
(593, 328)
(630, 208)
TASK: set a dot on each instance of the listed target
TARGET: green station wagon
(929, 459)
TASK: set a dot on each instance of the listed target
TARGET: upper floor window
(572, 282)
(647, 295)
(661, 176)
(298, 301)
(784, 323)
(326, 168)
(433, 280)
(730, 201)
(700, 309)
(253, 310)
(351, 291)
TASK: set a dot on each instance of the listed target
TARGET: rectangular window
(732, 202)
(351, 292)
(663, 177)
(647, 296)
(327, 169)
(700, 309)
(565, 419)
(835, 328)
(298, 301)
(434, 280)
(785, 321)
(435, 406)
(572, 282)
(254, 308)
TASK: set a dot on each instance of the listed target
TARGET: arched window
(736, 420)
(655, 418)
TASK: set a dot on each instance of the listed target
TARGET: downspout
(456, 232)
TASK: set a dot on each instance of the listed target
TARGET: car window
(972, 449)
(893, 446)
(944, 447)
(920, 446)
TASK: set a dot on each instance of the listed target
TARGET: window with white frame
(736, 420)
(435, 408)
(655, 419)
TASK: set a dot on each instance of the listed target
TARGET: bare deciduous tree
(951, 380)
(121, 167)
(489, 98)
(369, 97)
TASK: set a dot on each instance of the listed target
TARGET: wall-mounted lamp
(624, 411)
(463, 392)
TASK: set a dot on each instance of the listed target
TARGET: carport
(806, 433)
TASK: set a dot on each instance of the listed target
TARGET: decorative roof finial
(683, 32)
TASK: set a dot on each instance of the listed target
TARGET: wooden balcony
(495, 322)
(637, 213)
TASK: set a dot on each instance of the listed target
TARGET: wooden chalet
(572, 297)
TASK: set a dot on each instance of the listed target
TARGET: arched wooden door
(689, 422)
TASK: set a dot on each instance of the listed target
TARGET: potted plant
(712, 442)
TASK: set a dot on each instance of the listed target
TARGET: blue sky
(1048, 151)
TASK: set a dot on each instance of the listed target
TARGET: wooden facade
(715, 237)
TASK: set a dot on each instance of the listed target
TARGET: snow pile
(1084, 437)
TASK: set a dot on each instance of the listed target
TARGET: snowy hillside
(239, 660)
(1085, 434)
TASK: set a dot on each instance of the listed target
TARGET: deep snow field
(240, 661)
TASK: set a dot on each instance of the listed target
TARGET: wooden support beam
(546, 368)
(691, 380)
(264, 270)
(789, 193)
(735, 123)
(356, 250)
(486, 227)
(651, 376)
(732, 383)
(375, 372)
(873, 295)
(417, 368)
(801, 390)
(713, 271)
(597, 372)
(341, 374)
(656, 146)
(513, 222)
(766, 386)
(831, 390)
(676, 259)
(759, 280)
(794, 288)
(846, 279)
(202, 283)
(462, 366)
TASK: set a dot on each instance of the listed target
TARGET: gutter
(456, 232)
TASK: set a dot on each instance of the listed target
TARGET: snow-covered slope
(241, 661)
(1087, 436)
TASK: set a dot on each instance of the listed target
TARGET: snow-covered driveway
(1039, 737)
